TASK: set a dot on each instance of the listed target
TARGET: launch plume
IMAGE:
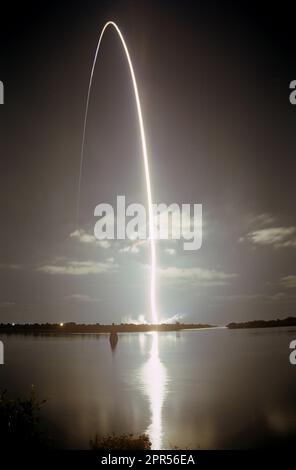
(113, 25)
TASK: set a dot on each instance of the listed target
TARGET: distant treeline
(289, 321)
(71, 327)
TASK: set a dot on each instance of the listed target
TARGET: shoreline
(71, 328)
(278, 323)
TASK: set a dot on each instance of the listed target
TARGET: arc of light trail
(145, 158)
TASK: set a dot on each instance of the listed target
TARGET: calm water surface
(207, 389)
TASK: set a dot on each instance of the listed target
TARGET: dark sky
(214, 82)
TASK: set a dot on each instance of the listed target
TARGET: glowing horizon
(154, 315)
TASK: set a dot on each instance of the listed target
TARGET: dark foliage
(19, 423)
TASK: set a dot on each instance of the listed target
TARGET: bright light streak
(154, 315)
(155, 378)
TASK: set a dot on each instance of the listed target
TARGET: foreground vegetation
(121, 442)
(22, 429)
(20, 423)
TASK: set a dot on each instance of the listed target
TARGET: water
(207, 389)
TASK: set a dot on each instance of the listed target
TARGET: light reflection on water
(154, 378)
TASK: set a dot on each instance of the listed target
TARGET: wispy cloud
(81, 298)
(84, 237)
(170, 251)
(178, 317)
(196, 276)
(289, 282)
(279, 297)
(140, 320)
(10, 266)
(133, 247)
(260, 220)
(276, 237)
(77, 268)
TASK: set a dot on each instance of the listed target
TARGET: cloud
(289, 282)
(173, 319)
(76, 268)
(170, 251)
(279, 297)
(140, 320)
(104, 243)
(261, 220)
(10, 266)
(81, 298)
(84, 237)
(134, 247)
(277, 237)
(196, 276)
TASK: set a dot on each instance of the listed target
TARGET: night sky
(214, 83)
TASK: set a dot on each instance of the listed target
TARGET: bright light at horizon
(154, 315)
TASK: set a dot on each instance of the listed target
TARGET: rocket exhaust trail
(145, 158)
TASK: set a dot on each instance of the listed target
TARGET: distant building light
(61, 324)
